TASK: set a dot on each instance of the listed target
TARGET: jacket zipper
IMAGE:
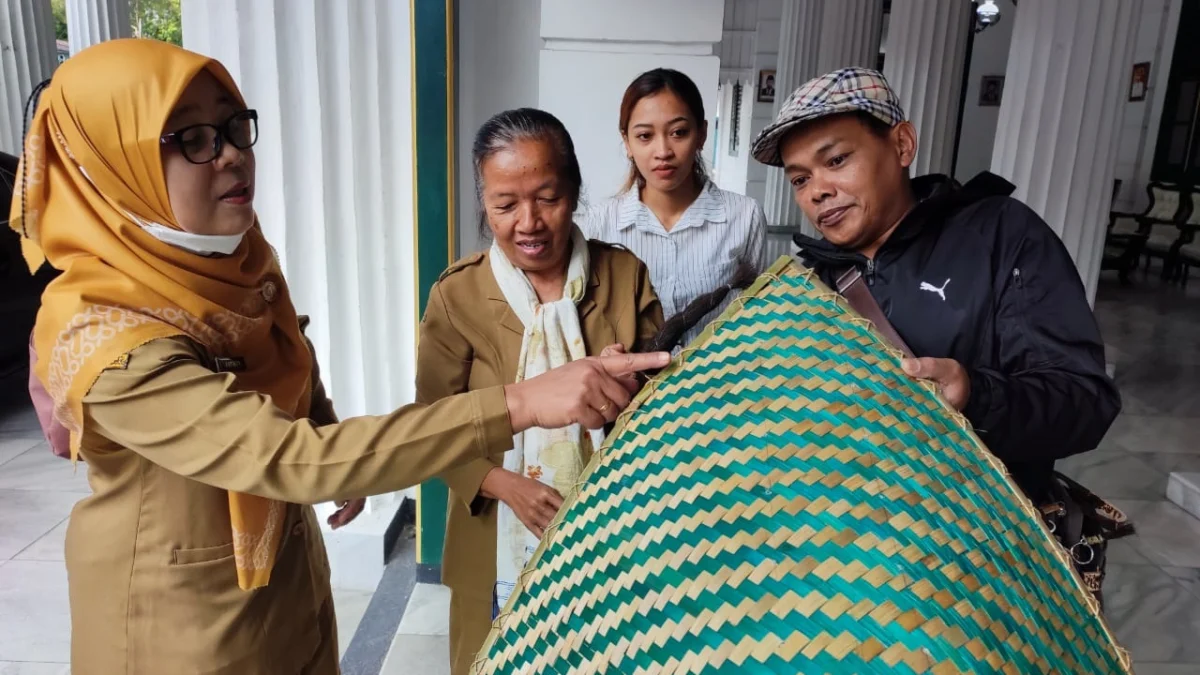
(870, 271)
(1023, 318)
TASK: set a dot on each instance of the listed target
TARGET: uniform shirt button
(270, 291)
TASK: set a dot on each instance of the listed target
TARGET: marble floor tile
(349, 606)
(1183, 490)
(39, 470)
(1124, 552)
(35, 623)
(1166, 535)
(26, 517)
(1155, 434)
(1150, 616)
(50, 548)
(428, 611)
(13, 446)
(1188, 577)
(1171, 462)
(1166, 389)
(26, 668)
(20, 420)
(1167, 668)
(425, 654)
(1116, 474)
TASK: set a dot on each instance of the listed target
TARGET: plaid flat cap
(842, 91)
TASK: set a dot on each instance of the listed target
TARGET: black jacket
(1014, 314)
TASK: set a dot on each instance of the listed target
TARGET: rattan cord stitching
(1056, 549)
(624, 418)
(824, 292)
(653, 383)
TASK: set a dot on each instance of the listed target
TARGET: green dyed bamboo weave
(783, 499)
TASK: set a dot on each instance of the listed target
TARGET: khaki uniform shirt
(470, 341)
(153, 585)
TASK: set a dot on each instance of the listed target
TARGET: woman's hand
(347, 511)
(534, 503)
(591, 392)
(630, 380)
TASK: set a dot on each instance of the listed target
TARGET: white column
(27, 56)
(926, 54)
(1068, 74)
(591, 51)
(850, 34)
(91, 22)
(799, 52)
(332, 83)
(816, 37)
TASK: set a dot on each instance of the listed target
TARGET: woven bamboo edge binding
(775, 274)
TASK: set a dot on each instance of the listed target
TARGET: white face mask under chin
(207, 245)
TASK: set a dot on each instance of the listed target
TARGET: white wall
(592, 51)
(1158, 24)
(989, 56)
(766, 57)
(498, 48)
(1139, 128)
(592, 112)
(729, 171)
(663, 21)
(738, 52)
(574, 60)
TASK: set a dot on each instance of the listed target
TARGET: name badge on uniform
(233, 364)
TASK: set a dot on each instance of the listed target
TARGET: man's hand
(948, 374)
(347, 511)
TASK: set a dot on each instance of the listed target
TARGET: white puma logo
(926, 286)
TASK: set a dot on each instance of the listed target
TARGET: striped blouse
(698, 255)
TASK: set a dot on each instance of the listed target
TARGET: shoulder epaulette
(462, 264)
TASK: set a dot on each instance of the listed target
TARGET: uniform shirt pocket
(193, 556)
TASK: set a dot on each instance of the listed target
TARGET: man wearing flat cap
(974, 282)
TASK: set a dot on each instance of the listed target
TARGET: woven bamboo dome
(783, 499)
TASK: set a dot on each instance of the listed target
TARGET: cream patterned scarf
(553, 338)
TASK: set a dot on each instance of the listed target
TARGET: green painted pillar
(433, 167)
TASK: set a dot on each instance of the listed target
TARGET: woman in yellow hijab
(175, 358)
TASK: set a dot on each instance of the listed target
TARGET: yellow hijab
(91, 170)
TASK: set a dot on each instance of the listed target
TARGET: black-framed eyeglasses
(202, 143)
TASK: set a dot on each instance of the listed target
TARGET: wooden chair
(1130, 234)
(1185, 252)
(1162, 237)
(1188, 257)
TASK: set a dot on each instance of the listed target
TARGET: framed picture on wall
(766, 86)
(1139, 81)
(991, 90)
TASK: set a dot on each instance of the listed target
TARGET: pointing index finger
(624, 364)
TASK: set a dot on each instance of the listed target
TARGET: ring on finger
(603, 407)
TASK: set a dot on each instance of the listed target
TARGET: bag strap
(850, 286)
(1100, 511)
